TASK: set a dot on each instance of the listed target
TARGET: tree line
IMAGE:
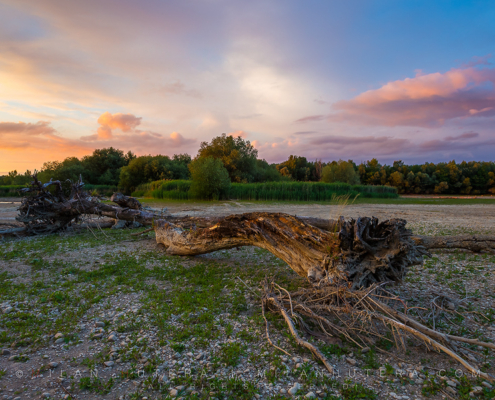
(227, 160)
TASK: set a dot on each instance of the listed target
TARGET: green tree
(397, 180)
(267, 173)
(340, 171)
(237, 155)
(441, 187)
(210, 179)
(296, 168)
(104, 165)
(69, 169)
(147, 169)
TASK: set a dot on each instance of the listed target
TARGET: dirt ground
(103, 315)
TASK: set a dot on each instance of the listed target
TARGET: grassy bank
(10, 190)
(271, 191)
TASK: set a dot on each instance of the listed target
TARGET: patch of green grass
(334, 350)
(431, 386)
(356, 391)
(230, 353)
(96, 385)
(178, 347)
(370, 360)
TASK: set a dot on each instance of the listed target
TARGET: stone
(59, 335)
(46, 395)
(365, 350)
(283, 391)
(477, 390)
(173, 392)
(113, 338)
(100, 324)
(293, 390)
(450, 389)
(60, 340)
(109, 363)
(5, 352)
(53, 364)
(486, 384)
(199, 356)
(310, 395)
(350, 361)
(7, 310)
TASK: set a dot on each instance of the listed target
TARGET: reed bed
(270, 191)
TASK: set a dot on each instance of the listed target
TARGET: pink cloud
(425, 100)
(240, 134)
(31, 144)
(130, 137)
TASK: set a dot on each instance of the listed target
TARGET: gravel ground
(103, 315)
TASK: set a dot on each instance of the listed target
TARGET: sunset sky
(409, 80)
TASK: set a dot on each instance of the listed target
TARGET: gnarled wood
(126, 201)
(362, 251)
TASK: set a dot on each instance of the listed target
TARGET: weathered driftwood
(46, 211)
(474, 243)
(362, 251)
(126, 201)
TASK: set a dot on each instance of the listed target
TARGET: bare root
(358, 316)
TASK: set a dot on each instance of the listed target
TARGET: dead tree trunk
(362, 252)
(474, 243)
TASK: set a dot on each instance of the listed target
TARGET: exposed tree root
(358, 315)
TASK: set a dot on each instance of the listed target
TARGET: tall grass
(10, 190)
(273, 191)
(146, 189)
(102, 190)
(175, 190)
(306, 191)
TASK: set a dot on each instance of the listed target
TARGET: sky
(393, 80)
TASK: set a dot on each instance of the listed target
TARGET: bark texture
(126, 201)
(361, 251)
(46, 211)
